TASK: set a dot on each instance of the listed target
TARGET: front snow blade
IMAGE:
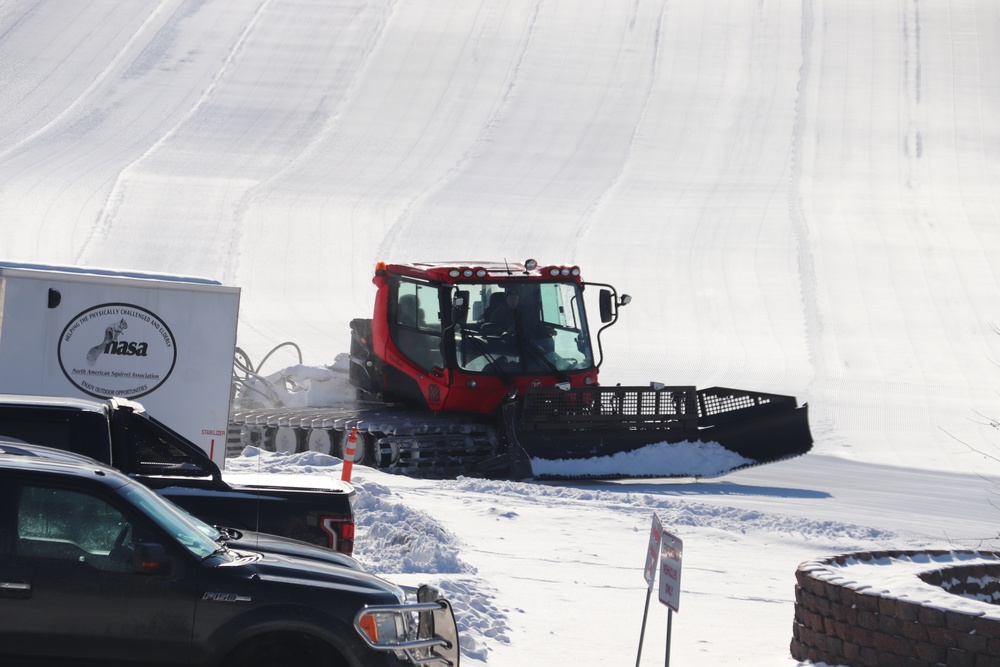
(621, 432)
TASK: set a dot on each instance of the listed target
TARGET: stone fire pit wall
(899, 608)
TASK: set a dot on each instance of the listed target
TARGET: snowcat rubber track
(546, 423)
(582, 423)
(407, 442)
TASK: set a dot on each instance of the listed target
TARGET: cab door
(67, 587)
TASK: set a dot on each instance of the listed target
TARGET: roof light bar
(468, 272)
(556, 271)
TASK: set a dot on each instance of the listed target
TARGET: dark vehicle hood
(265, 543)
(314, 575)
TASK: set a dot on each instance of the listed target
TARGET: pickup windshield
(527, 327)
(193, 534)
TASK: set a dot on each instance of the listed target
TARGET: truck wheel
(267, 440)
(251, 436)
(286, 440)
(320, 440)
(282, 649)
(389, 458)
(365, 450)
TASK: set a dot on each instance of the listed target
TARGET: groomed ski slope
(801, 199)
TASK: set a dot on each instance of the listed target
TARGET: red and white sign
(653, 552)
(671, 550)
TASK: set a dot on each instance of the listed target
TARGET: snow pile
(308, 470)
(690, 459)
(479, 618)
(299, 386)
(393, 540)
(391, 537)
(258, 461)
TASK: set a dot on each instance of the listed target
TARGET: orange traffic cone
(352, 442)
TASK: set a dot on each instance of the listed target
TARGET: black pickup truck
(96, 569)
(119, 433)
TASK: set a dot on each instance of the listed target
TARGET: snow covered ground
(552, 574)
(800, 197)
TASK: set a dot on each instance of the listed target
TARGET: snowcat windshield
(515, 328)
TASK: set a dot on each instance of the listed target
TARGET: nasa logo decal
(117, 349)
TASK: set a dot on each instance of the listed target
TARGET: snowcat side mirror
(460, 306)
(607, 306)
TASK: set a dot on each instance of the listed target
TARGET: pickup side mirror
(151, 558)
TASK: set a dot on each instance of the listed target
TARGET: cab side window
(81, 432)
(69, 525)
(153, 454)
(7, 513)
(416, 326)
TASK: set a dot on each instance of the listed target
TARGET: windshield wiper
(473, 335)
(226, 534)
(524, 343)
(221, 551)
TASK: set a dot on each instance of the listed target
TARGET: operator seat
(496, 300)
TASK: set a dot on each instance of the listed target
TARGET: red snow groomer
(489, 368)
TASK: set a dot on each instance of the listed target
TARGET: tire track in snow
(402, 222)
(587, 219)
(808, 281)
(116, 195)
(678, 510)
(317, 144)
(113, 66)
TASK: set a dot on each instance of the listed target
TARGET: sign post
(671, 551)
(652, 558)
(664, 554)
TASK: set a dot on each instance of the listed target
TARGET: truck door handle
(15, 590)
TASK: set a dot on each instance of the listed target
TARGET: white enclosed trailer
(165, 341)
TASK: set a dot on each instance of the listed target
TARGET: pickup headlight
(385, 627)
(422, 632)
